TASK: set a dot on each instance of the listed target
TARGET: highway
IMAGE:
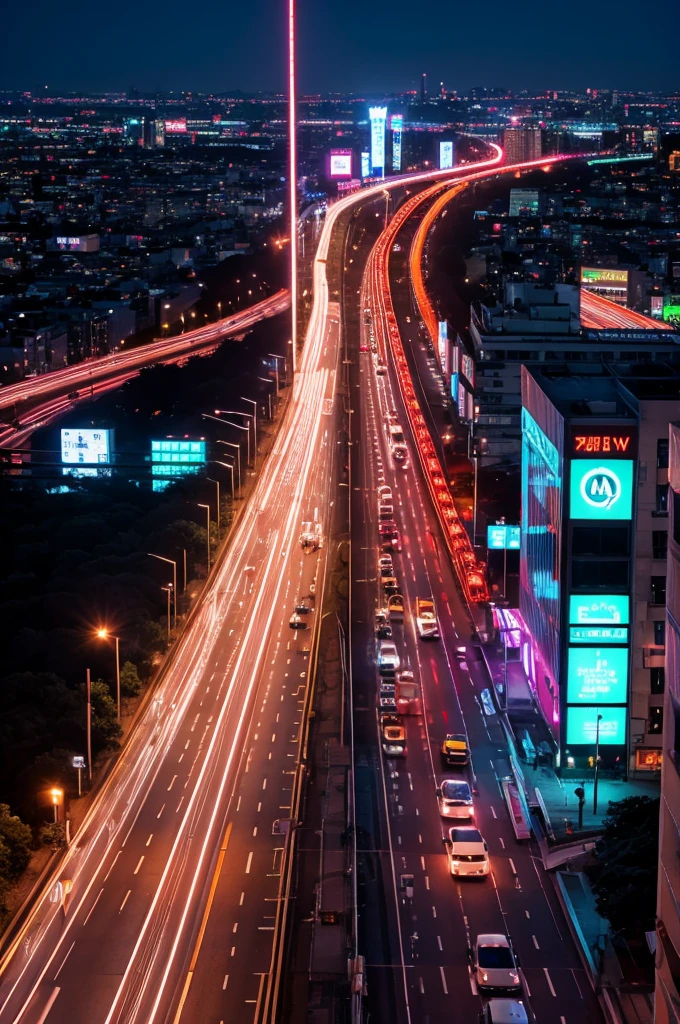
(416, 949)
(35, 402)
(599, 313)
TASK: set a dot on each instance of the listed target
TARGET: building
(524, 202)
(521, 144)
(378, 119)
(667, 991)
(593, 569)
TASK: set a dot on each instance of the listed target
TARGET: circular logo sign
(600, 487)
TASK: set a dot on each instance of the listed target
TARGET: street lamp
(230, 467)
(169, 591)
(57, 797)
(104, 634)
(207, 527)
(173, 563)
(230, 444)
(597, 762)
(217, 485)
(272, 355)
(252, 402)
(230, 423)
(268, 380)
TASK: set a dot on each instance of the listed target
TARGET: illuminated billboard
(172, 457)
(615, 443)
(503, 537)
(597, 675)
(176, 127)
(671, 314)
(396, 127)
(445, 156)
(365, 165)
(604, 277)
(86, 447)
(600, 609)
(341, 163)
(443, 345)
(378, 119)
(601, 489)
(582, 726)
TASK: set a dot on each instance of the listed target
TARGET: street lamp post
(230, 467)
(239, 426)
(217, 485)
(230, 444)
(169, 591)
(272, 355)
(104, 634)
(597, 763)
(268, 380)
(57, 797)
(207, 527)
(88, 692)
(254, 405)
(173, 563)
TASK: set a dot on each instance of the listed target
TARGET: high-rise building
(397, 127)
(521, 144)
(378, 119)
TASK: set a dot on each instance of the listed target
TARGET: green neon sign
(600, 609)
(601, 489)
(597, 675)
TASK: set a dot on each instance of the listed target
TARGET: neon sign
(601, 490)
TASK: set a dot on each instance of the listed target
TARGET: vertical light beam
(292, 178)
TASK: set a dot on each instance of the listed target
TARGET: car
(388, 658)
(392, 543)
(388, 689)
(383, 631)
(385, 562)
(302, 608)
(495, 964)
(460, 652)
(387, 528)
(468, 853)
(390, 584)
(505, 1011)
(455, 799)
(393, 736)
(386, 570)
(385, 511)
(297, 622)
(395, 607)
(381, 369)
(384, 493)
(454, 750)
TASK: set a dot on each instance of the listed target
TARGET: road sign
(502, 537)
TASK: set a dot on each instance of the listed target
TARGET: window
(659, 544)
(658, 588)
(657, 680)
(660, 633)
(611, 541)
(662, 499)
(599, 573)
(655, 721)
(662, 453)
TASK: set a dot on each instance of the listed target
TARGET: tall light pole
(88, 694)
(230, 444)
(57, 796)
(276, 364)
(217, 485)
(597, 762)
(268, 380)
(230, 467)
(239, 426)
(173, 563)
(207, 526)
(292, 178)
(104, 634)
(168, 589)
(252, 402)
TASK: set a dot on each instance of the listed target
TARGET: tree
(130, 683)
(17, 837)
(53, 834)
(105, 728)
(624, 874)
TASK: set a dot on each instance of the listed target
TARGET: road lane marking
(91, 909)
(127, 897)
(493, 811)
(255, 831)
(225, 982)
(139, 864)
(434, 911)
(427, 881)
(233, 950)
(550, 984)
(64, 960)
(172, 783)
(439, 942)
(502, 841)
(149, 839)
(444, 985)
(179, 805)
(528, 915)
(264, 784)
(512, 866)
(250, 861)
(235, 928)
(535, 942)
(113, 865)
(50, 1004)
(259, 807)
(204, 924)
(161, 811)
(240, 902)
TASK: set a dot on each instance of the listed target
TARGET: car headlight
(485, 977)
(514, 977)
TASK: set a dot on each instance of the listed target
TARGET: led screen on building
(503, 537)
(170, 452)
(445, 156)
(365, 165)
(597, 675)
(85, 447)
(582, 726)
(604, 276)
(604, 609)
(443, 345)
(396, 127)
(341, 163)
(601, 489)
(378, 118)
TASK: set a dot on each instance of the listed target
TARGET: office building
(521, 144)
(524, 202)
(378, 119)
(667, 990)
(593, 570)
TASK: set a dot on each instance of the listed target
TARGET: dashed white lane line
(250, 861)
(148, 842)
(439, 943)
(64, 960)
(421, 986)
(549, 980)
(172, 783)
(264, 784)
(233, 950)
(225, 982)
(502, 841)
(427, 881)
(493, 811)
(535, 942)
(113, 865)
(235, 928)
(240, 902)
(91, 909)
(444, 985)
(512, 866)
(127, 896)
(139, 864)
(255, 831)
(160, 812)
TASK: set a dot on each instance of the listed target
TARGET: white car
(495, 964)
(384, 493)
(468, 853)
(455, 799)
(388, 659)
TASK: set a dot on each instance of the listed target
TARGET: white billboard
(341, 163)
(378, 119)
(86, 447)
(445, 156)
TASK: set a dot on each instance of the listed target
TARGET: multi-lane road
(417, 948)
(35, 402)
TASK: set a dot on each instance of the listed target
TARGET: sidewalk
(531, 734)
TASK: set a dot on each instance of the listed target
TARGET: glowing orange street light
(104, 634)
(57, 797)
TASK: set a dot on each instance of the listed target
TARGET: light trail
(599, 313)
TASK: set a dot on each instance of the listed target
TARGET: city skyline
(374, 49)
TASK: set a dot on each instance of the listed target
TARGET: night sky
(350, 46)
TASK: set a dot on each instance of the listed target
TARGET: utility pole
(597, 762)
(89, 726)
